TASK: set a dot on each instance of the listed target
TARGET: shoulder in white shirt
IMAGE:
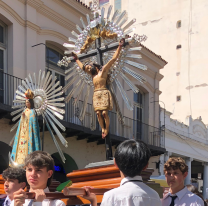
(7, 200)
(132, 192)
(45, 202)
(184, 197)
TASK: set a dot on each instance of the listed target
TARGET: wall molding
(12, 12)
(72, 5)
(53, 33)
(153, 57)
(31, 25)
(53, 15)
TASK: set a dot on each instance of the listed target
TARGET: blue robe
(34, 135)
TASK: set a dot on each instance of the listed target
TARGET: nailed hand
(122, 42)
(74, 56)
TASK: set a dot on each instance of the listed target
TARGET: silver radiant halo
(110, 28)
(48, 103)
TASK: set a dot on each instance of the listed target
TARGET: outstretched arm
(115, 56)
(77, 60)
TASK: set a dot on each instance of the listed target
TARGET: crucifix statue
(102, 52)
(102, 99)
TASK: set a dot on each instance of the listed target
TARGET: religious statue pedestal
(104, 175)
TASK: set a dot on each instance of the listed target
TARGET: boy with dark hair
(176, 171)
(15, 179)
(39, 173)
(131, 157)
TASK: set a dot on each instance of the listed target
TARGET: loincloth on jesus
(102, 99)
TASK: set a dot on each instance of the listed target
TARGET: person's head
(39, 169)
(175, 170)
(15, 179)
(132, 157)
(92, 68)
(29, 103)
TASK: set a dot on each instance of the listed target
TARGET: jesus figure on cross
(102, 100)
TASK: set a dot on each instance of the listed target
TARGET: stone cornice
(149, 87)
(50, 14)
(31, 25)
(34, 3)
(11, 12)
(53, 33)
(151, 73)
(152, 56)
(72, 5)
(56, 17)
(46, 31)
(23, 1)
(185, 138)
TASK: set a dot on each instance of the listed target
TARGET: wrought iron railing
(132, 129)
(8, 86)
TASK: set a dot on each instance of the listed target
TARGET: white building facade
(189, 141)
(32, 33)
(176, 31)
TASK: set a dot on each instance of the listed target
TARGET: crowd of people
(131, 157)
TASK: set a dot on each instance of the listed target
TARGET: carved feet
(105, 133)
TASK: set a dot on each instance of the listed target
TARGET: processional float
(96, 43)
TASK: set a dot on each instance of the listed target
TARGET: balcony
(132, 129)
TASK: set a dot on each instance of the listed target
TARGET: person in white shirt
(131, 157)
(176, 171)
(14, 179)
(39, 173)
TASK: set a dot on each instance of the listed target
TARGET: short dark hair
(15, 174)
(131, 157)
(41, 159)
(176, 163)
(93, 70)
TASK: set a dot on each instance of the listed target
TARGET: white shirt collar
(182, 192)
(126, 179)
(7, 199)
(179, 194)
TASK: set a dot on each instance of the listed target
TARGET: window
(102, 2)
(178, 46)
(178, 24)
(3, 51)
(90, 4)
(52, 58)
(117, 5)
(138, 114)
(178, 98)
(1, 60)
(1, 34)
(2, 46)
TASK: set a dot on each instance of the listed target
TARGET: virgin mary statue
(27, 138)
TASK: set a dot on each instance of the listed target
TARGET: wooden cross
(99, 53)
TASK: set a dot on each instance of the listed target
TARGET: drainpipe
(154, 96)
